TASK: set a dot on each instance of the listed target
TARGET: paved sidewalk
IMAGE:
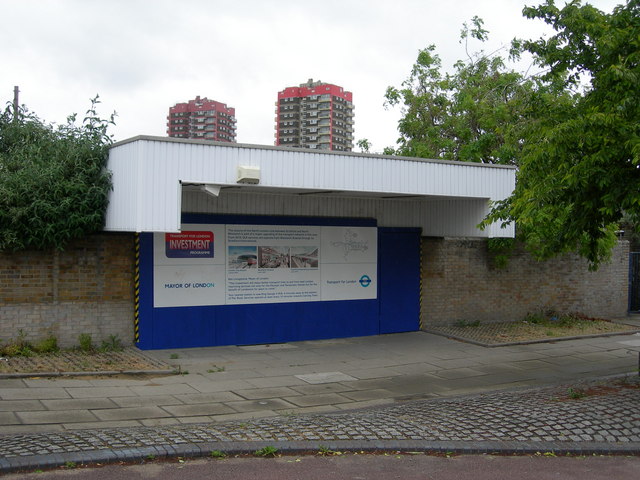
(236, 383)
(415, 388)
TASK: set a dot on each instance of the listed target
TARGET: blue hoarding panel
(399, 279)
(396, 308)
(145, 295)
(181, 327)
(178, 327)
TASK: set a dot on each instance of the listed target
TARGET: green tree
(364, 145)
(54, 183)
(579, 170)
(472, 114)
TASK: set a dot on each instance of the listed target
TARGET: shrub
(48, 345)
(85, 342)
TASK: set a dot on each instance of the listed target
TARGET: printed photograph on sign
(273, 257)
(304, 257)
(189, 244)
(242, 257)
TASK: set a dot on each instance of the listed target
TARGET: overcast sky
(143, 56)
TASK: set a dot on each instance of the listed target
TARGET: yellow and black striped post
(136, 286)
(420, 316)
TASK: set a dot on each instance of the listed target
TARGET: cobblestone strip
(518, 333)
(605, 420)
(129, 360)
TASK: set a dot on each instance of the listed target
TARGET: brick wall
(88, 288)
(461, 283)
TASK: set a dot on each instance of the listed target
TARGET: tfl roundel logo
(365, 281)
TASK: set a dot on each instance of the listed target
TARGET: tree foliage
(53, 180)
(472, 114)
(579, 170)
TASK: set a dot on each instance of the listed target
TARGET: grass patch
(538, 326)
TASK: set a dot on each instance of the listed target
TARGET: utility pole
(16, 103)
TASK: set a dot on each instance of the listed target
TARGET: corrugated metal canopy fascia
(149, 173)
(212, 143)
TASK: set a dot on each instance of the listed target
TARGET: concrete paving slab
(292, 412)
(159, 422)
(9, 418)
(321, 388)
(122, 382)
(451, 354)
(532, 364)
(230, 373)
(371, 384)
(192, 420)
(498, 369)
(80, 404)
(269, 347)
(216, 397)
(11, 383)
(458, 373)
(99, 425)
(32, 393)
(22, 405)
(365, 404)
(315, 400)
(100, 392)
(204, 386)
(56, 382)
(563, 361)
(457, 363)
(459, 385)
(244, 416)
(257, 405)
(417, 384)
(177, 389)
(270, 382)
(28, 429)
(290, 370)
(366, 395)
(380, 372)
(66, 416)
(130, 413)
(198, 409)
(415, 368)
(382, 361)
(325, 377)
(256, 393)
(146, 401)
(597, 357)
(416, 396)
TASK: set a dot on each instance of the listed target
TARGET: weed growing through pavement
(173, 356)
(576, 393)
(218, 454)
(326, 451)
(267, 451)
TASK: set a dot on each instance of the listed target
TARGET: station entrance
(241, 280)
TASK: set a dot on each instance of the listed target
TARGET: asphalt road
(365, 467)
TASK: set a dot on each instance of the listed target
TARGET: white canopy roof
(153, 176)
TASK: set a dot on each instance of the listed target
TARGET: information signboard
(211, 264)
